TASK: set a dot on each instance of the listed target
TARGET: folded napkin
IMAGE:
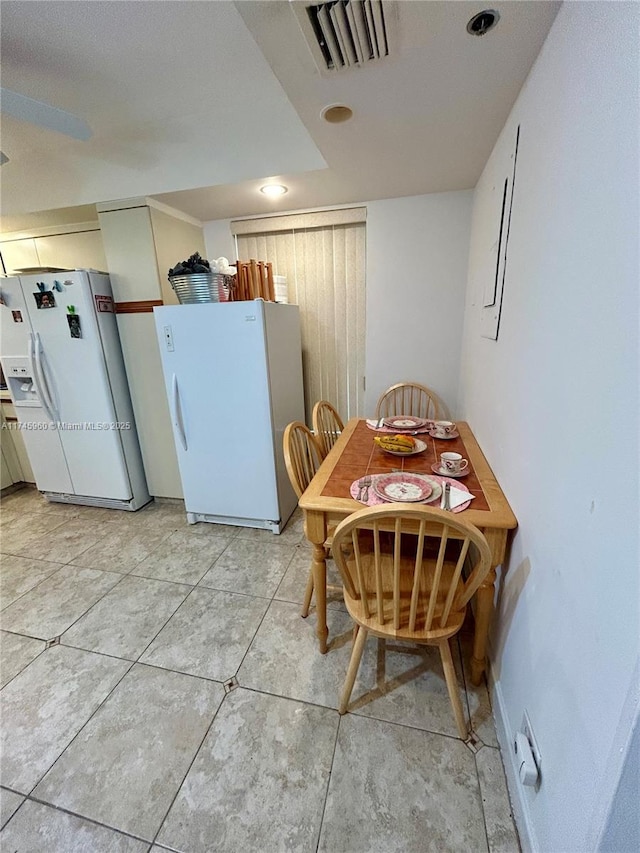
(457, 497)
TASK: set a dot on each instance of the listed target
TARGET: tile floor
(161, 692)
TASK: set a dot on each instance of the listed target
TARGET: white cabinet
(19, 254)
(74, 250)
(7, 476)
(15, 462)
(81, 250)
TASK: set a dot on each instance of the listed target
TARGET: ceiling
(198, 104)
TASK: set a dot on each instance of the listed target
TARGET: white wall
(554, 404)
(218, 240)
(417, 249)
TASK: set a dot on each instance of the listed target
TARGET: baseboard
(521, 814)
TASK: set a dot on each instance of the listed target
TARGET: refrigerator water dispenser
(21, 385)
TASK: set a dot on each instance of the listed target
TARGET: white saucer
(436, 470)
(444, 437)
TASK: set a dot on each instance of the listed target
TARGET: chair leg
(354, 664)
(307, 596)
(452, 687)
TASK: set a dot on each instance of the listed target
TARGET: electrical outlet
(527, 731)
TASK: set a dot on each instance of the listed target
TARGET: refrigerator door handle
(35, 375)
(177, 413)
(45, 394)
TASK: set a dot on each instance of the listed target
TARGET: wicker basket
(201, 287)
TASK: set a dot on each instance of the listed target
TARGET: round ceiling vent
(483, 22)
(336, 113)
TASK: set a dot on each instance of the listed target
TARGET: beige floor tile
(19, 531)
(127, 764)
(250, 567)
(16, 652)
(54, 605)
(124, 622)
(182, 558)
(64, 543)
(395, 789)
(45, 706)
(209, 634)
(251, 778)
(121, 550)
(26, 501)
(501, 831)
(293, 584)
(284, 657)
(19, 574)
(37, 828)
(9, 803)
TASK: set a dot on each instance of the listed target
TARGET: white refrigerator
(63, 365)
(233, 377)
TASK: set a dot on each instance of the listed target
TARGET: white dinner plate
(406, 487)
(404, 422)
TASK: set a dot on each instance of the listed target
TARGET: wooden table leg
(320, 589)
(315, 528)
(485, 596)
(484, 608)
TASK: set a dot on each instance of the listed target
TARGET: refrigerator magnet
(75, 329)
(17, 316)
(45, 299)
(104, 304)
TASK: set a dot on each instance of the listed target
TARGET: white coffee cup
(443, 428)
(453, 463)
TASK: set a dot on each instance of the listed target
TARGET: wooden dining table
(355, 454)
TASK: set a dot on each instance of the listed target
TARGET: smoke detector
(345, 34)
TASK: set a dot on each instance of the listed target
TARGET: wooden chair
(408, 584)
(303, 457)
(327, 425)
(408, 398)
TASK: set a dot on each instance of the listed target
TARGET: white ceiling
(199, 103)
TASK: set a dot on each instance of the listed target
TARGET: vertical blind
(325, 270)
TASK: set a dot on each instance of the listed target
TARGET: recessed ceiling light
(483, 22)
(274, 189)
(337, 113)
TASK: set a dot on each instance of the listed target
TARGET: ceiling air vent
(346, 34)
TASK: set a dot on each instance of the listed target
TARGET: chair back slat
(435, 581)
(396, 573)
(456, 577)
(362, 587)
(408, 398)
(378, 569)
(327, 425)
(417, 578)
(406, 565)
(302, 455)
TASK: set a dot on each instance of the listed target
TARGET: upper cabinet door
(76, 250)
(80, 250)
(19, 255)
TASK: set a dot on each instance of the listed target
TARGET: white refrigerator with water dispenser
(233, 378)
(63, 364)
